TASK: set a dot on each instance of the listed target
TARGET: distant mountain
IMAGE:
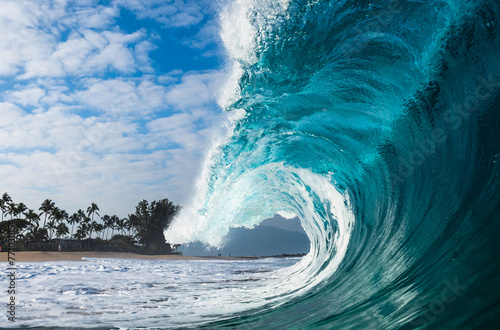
(282, 223)
(263, 240)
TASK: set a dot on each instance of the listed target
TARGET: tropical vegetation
(52, 228)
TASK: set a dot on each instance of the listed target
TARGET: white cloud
(178, 13)
(115, 181)
(40, 130)
(85, 53)
(141, 51)
(42, 68)
(32, 46)
(195, 90)
(171, 77)
(208, 34)
(84, 118)
(115, 53)
(25, 37)
(122, 96)
(103, 162)
(32, 43)
(73, 52)
(93, 16)
(30, 95)
(170, 123)
(110, 160)
(47, 92)
(10, 113)
(180, 129)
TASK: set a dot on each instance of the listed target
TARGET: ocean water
(127, 293)
(377, 123)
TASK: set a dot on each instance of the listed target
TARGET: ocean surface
(128, 294)
(377, 123)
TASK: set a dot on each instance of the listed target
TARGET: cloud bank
(87, 116)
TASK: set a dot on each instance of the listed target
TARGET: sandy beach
(30, 256)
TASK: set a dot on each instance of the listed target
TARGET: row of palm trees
(57, 223)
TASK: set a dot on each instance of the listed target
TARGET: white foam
(243, 23)
(128, 294)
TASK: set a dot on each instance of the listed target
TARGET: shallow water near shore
(126, 293)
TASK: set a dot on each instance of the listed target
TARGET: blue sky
(106, 101)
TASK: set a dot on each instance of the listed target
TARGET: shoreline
(42, 256)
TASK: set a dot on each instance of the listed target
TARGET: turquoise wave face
(375, 122)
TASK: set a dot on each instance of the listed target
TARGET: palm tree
(81, 216)
(3, 207)
(107, 224)
(114, 224)
(54, 215)
(74, 218)
(11, 209)
(15, 210)
(61, 230)
(61, 216)
(93, 208)
(51, 226)
(99, 228)
(33, 218)
(20, 209)
(36, 234)
(134, 223)
(85, 224)
(121, 225)
(81, 231)
(92, 228)
(46, 207)
(4, 201)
